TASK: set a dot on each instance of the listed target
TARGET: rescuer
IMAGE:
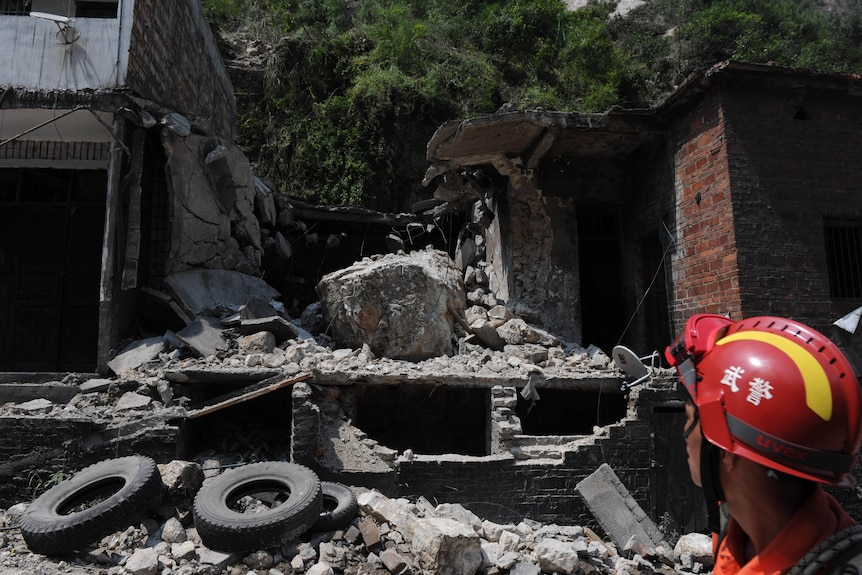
(773, 413)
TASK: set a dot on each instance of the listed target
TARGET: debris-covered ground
(166, 377)
(387, 536)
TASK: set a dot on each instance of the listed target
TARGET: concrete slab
(201, 290)
(616, 510)
(204, 336)
(21, 392)
(222, 375)
(137, 354)
(277, 325)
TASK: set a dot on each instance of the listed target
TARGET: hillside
(337, 98)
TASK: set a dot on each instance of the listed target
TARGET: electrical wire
(671, 244)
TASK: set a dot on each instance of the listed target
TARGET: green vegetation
(352, 91)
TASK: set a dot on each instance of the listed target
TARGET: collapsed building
(183, 309)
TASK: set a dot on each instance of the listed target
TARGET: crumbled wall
(502, 488)
(173, 60)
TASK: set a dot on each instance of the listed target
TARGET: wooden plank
(244, 394)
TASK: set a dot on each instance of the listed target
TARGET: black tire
(99, 500)
(294, 491)
(339, 508)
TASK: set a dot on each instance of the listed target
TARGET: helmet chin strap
(709, 465)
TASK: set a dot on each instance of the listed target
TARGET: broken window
(95, 9)
(429, 419)
(569, 412)
(844, 258)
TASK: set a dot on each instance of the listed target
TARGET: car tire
(121, 491)
(339, 507)
(290, 493)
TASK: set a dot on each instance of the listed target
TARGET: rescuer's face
(693, 441)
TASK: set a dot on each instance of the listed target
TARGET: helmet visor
(700, 334)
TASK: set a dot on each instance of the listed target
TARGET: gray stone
(204, 336)
(132, 400)
(400, 305)
(444, 547)
(557, 556)
(21, 392)
(320, 569)
(137, 354)
(183, 549)
(698, 546)
(281, 328)
(487, 334)
(259, 342)
(35, 406)
(143, 561)
(202, 290)
(173, 531)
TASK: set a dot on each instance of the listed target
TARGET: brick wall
(705, 263)
(501, 489)
(793, 161)
(173, 61)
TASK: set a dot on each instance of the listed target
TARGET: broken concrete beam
(237, 375)
(617, 511)
(21, 392)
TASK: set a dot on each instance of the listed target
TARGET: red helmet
(774, 391)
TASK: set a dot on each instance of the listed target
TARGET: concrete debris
(137, 354)
(617, 511)
(217, 291)
(387, 537)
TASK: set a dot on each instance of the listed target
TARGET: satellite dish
(633, 366)
(67, 33)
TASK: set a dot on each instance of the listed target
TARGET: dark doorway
(51, 224)
(430, 420)
(600, 268)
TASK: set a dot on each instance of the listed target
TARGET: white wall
(33, 59)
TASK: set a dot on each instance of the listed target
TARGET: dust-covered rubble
(387, 536)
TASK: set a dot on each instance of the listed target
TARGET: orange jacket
(818, 518)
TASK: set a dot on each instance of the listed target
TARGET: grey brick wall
(173, 61)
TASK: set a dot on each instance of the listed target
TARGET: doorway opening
(51, 225)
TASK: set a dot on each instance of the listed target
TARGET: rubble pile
(388, 536)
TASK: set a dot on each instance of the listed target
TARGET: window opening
(567, 412)
(14, 7)
(844, 258)
(95, 9)
(430, 420)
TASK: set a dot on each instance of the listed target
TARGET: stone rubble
(388, 536)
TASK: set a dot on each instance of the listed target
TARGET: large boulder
(401, 305)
